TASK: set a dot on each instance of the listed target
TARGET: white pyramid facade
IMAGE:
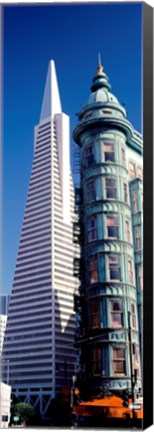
(39, 338)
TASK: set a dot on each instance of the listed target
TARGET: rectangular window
(140, 277)
(134, 198)
(123, 157)
(130, 271)
(125, 193)
(91, 228)
(111, 188)
(109, 154)
(138, 238)
(132, 170)
(95, 318)
(135, 350)
(114, 268)
(106, 112)
(89, 153)
(5, 418)
(112, 227)
(139, 172)
(119, 361)
(127, 225)
(91, 191)
(133, 315)
(116, 313)
(93, 271)
(96, 361)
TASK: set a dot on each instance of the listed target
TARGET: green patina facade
(109, 293)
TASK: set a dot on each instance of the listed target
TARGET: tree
(25, 411)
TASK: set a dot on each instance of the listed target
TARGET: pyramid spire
(51, 100)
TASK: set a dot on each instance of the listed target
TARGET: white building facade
(41, 322)
(5, 404)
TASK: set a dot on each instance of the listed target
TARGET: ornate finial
(100, 67)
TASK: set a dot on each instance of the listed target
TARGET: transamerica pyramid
(38, 345)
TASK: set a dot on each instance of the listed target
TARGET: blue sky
(72, 35)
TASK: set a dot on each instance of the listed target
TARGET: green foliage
(25, 411)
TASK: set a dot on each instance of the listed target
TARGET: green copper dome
(101, 97)
(102, 109)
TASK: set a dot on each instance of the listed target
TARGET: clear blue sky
(72, 35)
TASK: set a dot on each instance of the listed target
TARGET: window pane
(114, 260)
(112, 221)
(140, 172)
(110, 188)
(130, 271)
(117, 313)
(108, 147)
(90, 185)
(125, 193)
(91, 228)
(91, 223)
(94, 306)
(135, 205)
(89, 155)
(118, 353)
(95, 319)
(123, 156)
(115, 274)
(140, 277)
(109, 155)
(128, 231)
(90, 191)
(111, 193)
(93, 272)
(116, 319)
(96, 361)
(119, 367)
(93, 276)
(112, 227)
(113, 232)
(132, 170)
(132, 308)
(110, 182)
(89, 150)
(93, 264)
(116, 306)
